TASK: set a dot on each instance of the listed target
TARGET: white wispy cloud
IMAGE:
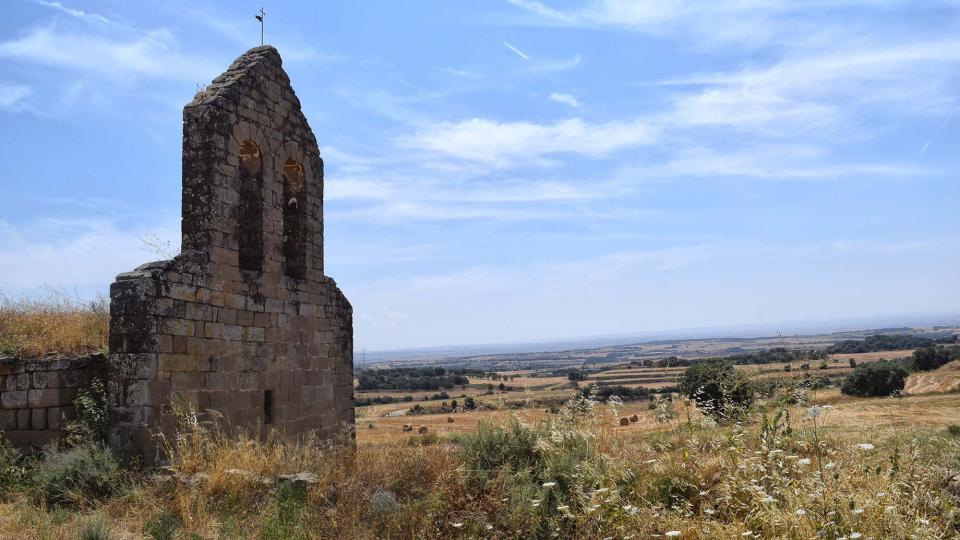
(566, 99)
(76, 13)
(34, 253)
(465, 73)
(771, 162)
(152, 55)
(484, 140)
(717, 21)
(12, 94)
(516, 51)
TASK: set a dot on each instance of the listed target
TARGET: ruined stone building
(243, 322)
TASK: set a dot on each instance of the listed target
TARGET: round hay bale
(634, 418)
(422, 429)
(450, 420)
(624, 421)
(407, 427)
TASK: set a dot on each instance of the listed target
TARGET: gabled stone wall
(243, 321)
(36, 395)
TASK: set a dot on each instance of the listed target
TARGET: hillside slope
(944, 379)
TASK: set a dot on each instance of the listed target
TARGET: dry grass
(56, 323)
(944, 379)
(822, 474)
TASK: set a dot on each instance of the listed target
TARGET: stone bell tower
(243, 321)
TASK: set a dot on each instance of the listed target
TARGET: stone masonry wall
(36, 396)
(243, 322)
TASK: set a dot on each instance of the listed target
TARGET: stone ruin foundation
(243, 322)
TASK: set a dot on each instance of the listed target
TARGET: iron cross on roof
(260, 18)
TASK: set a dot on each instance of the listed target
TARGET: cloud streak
(516, 51)
(566, 99)
(503, 143)
(151, 55)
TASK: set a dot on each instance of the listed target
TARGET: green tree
(932, 358)
(881, 378)
(718, 389)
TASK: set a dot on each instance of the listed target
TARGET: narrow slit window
(250, 214)
(294, 221)
(268, 406)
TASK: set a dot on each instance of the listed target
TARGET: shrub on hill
(718, 389)
(881, 378)
(412, 378)
(931, 358)
(625, 393)
(880, 342)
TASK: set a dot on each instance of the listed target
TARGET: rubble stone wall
(36, 395)
(243, 322)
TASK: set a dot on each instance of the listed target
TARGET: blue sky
(505, 171)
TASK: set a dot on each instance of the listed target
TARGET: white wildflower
(814, 411)
(489, 527)
(709, 511)
(830, 465)
(881, 494)
(549, 484)
(457, 525)
(924, 521)
(801, 512)
(804, 461)
(865, 446)
(855, 535)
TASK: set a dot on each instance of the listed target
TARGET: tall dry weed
(56, 322)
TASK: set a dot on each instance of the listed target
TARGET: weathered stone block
(8, 420)
(38, 419)
(13, 399)
(53, 397)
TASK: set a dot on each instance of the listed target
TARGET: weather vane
(260, 18)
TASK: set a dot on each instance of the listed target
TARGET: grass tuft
(56, 323)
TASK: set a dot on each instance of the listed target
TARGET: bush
(95, 528)
(86, 472)
(11, 471)
(881, 378)
(718, 388)
(288, 504)
(92, 416)
(933, 357)
(673, 491)
(164, 526)
(625, 393)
